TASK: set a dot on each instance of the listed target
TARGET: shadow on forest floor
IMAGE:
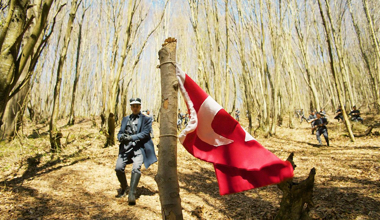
(33, 169)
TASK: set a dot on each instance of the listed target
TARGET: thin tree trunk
(76, 79)
(373, 34)
(330, 48)
(245, 71)
(55, 134)
(167, 177)
(202, 76)
(374, 82)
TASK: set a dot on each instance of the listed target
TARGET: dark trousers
(302, 118)
(356, 118)
(134, 156)
(325, 134)
(339, 117)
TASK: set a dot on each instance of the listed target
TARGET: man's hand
(128, 138)
(125, 139)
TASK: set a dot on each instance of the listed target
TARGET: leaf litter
(80, 181)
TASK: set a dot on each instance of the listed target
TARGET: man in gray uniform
(311, 119)
(135, 147)
(320, 126)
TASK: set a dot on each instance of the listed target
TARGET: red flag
(212, 135)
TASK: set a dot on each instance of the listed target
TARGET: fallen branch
(365, 133)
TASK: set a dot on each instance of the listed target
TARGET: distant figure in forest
(320, 126)
(186, 119)
(237, 114)
(355, 115)
(180, 119)
(311, 119)
(136, 146)
(339, 114)
(302, 116)
(323, 113)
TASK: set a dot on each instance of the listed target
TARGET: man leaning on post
(136, 146)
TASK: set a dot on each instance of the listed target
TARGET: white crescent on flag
(206, 115)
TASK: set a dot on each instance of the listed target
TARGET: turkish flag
(212, 135)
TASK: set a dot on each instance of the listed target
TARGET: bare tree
(55, 134)
(77, 66)
(131, 34)
(329, 30)
(14, 55)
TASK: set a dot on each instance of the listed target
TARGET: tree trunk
(374, 82)
(12, 29)
(72, 114)
(203, 78)
(167, 177)
(335, 74)
(13, 109)
(12, 33)
(55, 134)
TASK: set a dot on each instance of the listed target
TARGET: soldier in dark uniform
(355, 115)
(311, 119)
(323, 113)
(339, 114)
(135, 147)
(302, 116)
(186, 119)
(179, 120)
(237, 114)
(320, 125)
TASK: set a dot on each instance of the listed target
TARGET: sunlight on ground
(80, 181)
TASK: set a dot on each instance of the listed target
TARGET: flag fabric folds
(212, 135)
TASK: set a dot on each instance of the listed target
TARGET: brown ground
(80, 183)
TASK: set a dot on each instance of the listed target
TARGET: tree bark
(11, 30)
(247, 97)
(13, 64)
(167, 177)
(72, 114)
(374, 83)
(296, 196)
(55, 134)
(13, 109)
(335, 74)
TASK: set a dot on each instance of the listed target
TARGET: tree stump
(93, 120)
(297, 198)
(103, 118)
(111, 130)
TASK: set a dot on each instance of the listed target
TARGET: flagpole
(167, 177)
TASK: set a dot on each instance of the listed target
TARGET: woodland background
(266, 58)
(68, 69)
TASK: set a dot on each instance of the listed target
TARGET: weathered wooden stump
(111, 130)
(297, 198)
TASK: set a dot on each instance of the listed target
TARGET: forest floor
(80, 181)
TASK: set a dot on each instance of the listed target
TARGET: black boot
(123, 184)
(135, 178)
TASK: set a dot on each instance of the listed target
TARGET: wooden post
(167, 178)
